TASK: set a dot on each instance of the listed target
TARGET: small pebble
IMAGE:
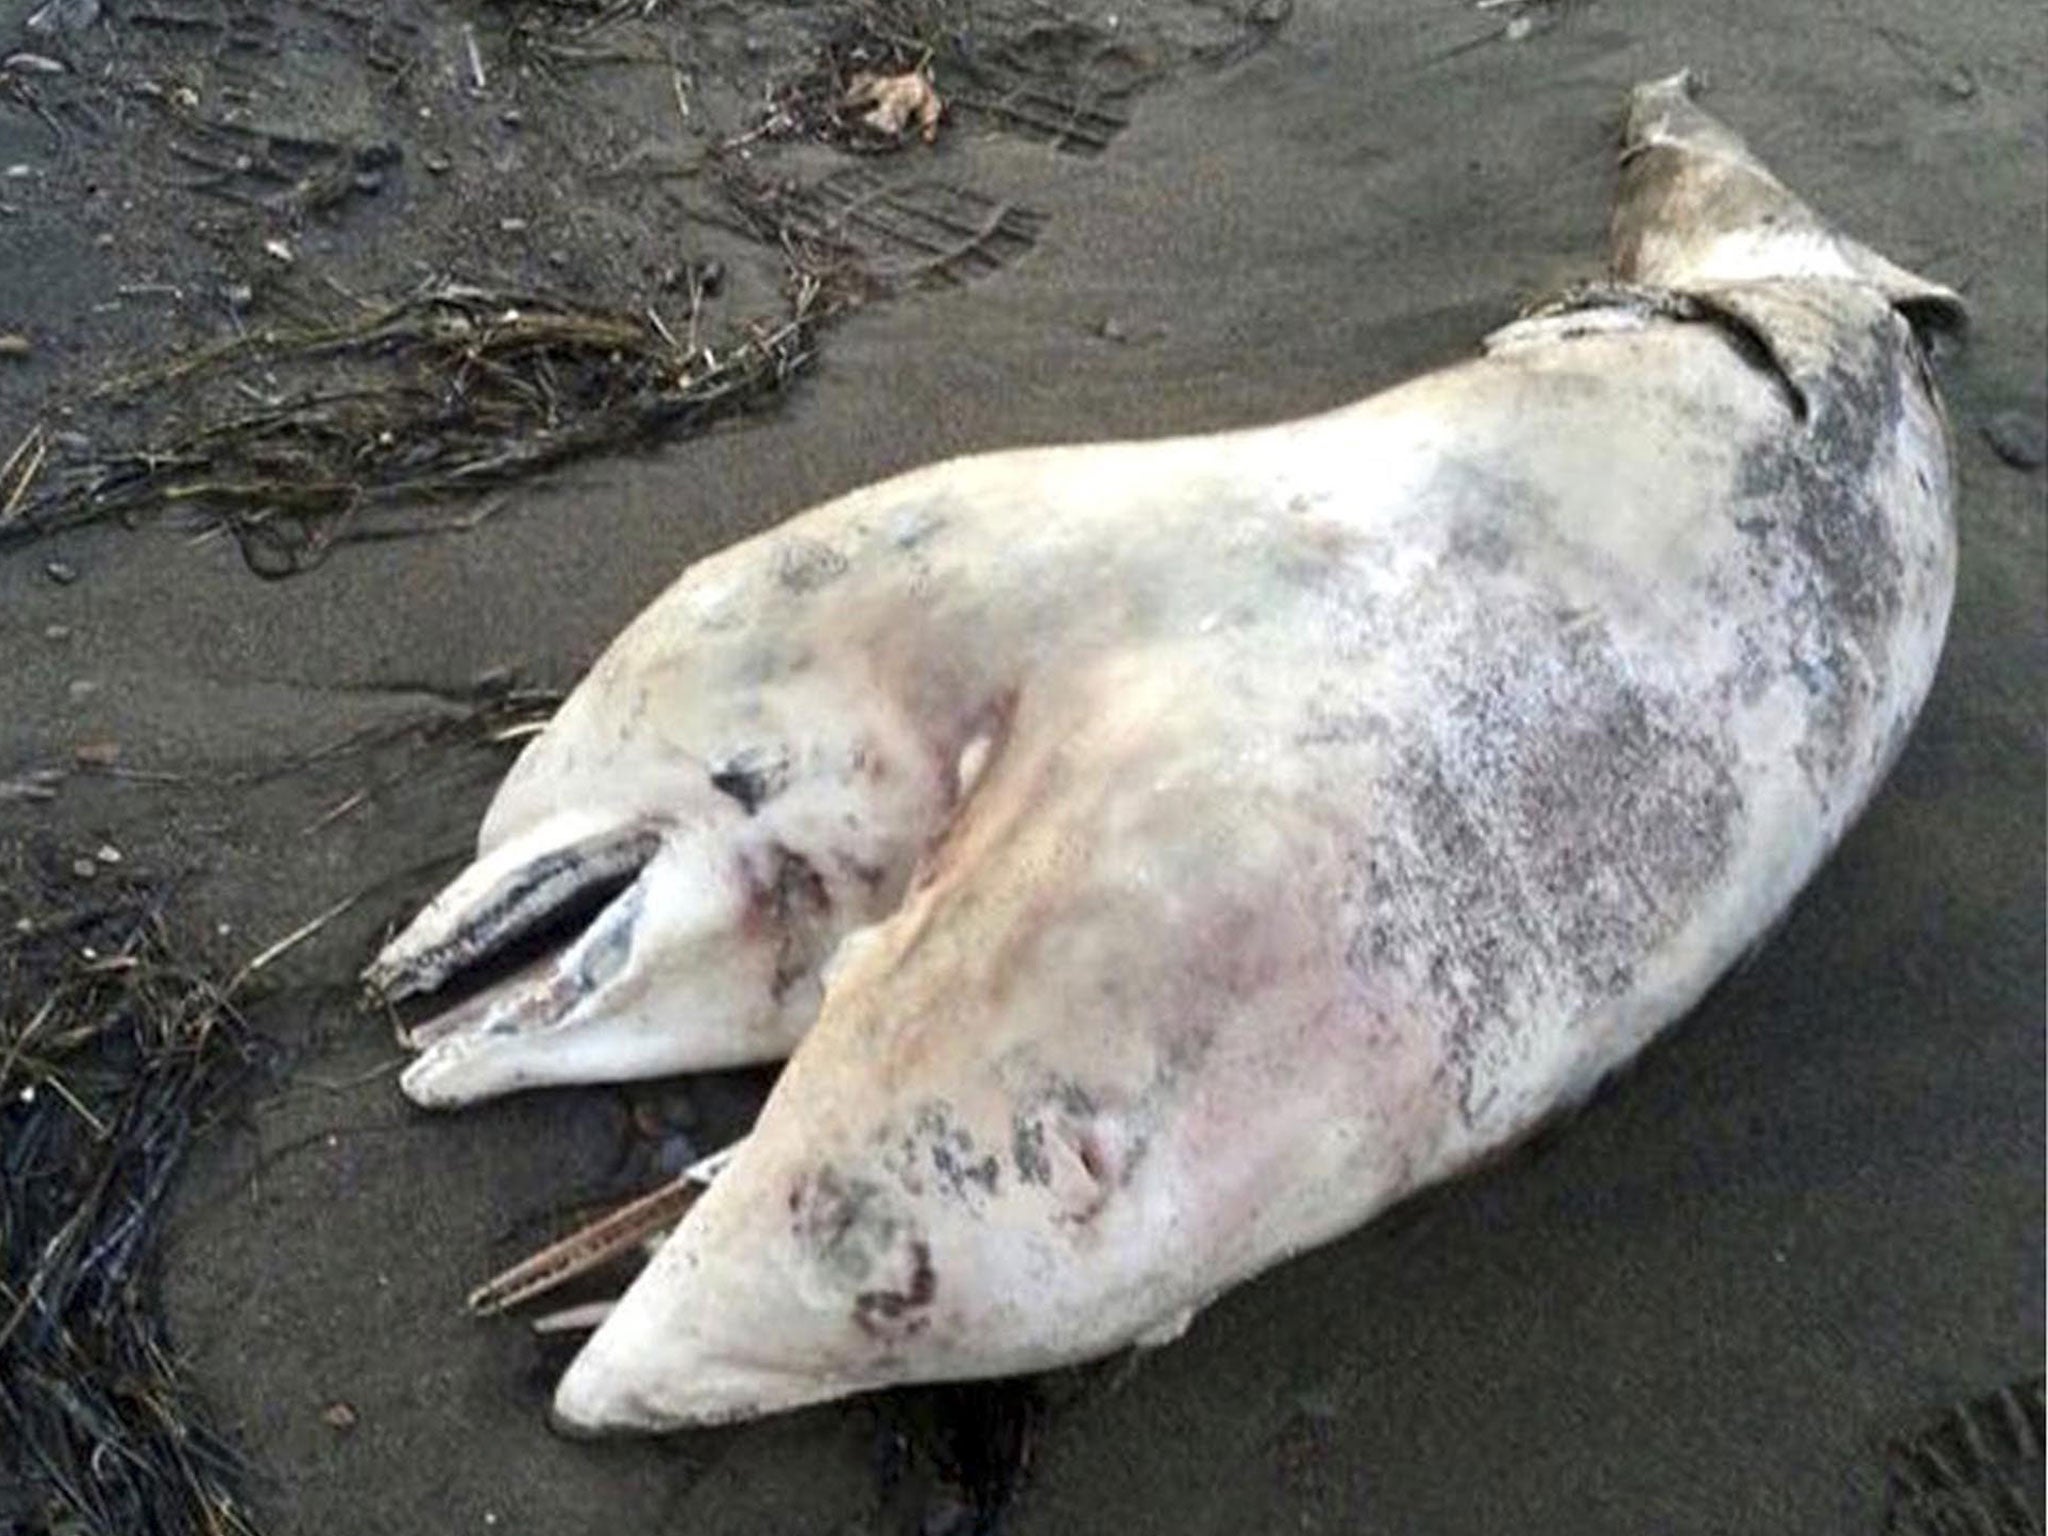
(85, 869)
(56, 631)
(14, 345)
(368, 181)
(2019, 438)
(1112, 329)
(238, 295)
(435, 161)
(511, 117)
(107, 853)
(338, 1415)
(512, 226)
(62, 572)
(96, 754)
(82, 688)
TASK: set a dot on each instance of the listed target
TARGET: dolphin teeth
(507, 894)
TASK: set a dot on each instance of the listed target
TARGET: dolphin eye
(1093, 1158)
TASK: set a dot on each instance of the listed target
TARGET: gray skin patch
(804, 565)
(1816, 531)
(1027, 1151)
(852, 1231)
(911, 527)
(1538, 841)
(936, 1147)
(846, 1225)
(1480, 505)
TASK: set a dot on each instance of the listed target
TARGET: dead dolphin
(1187, 849)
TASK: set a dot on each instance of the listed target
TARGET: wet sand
(1806, 1221)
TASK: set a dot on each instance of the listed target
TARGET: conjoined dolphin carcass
(1161, 857)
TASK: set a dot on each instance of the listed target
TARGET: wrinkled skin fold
(1161, 857)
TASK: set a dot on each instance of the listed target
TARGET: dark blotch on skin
(752, 778)
(798, 904)
(1027, 1150)
(895, 1313)
(847, 1224)
(743, 785)
(948, 1148)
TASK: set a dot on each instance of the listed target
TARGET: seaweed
(448, 390)
(114, 1052)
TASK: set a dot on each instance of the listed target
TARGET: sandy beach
(1807, 1222)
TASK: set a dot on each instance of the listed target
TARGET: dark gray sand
(1809, 1220)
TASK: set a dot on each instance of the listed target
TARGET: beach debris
(33, 64)
(477, 79)
(115, 1050)
(632, 1226)
(277, 949)
(15, 345)
(62, 572)
(18, 473)
(96, 754)
(339, 1415)
(64, 16)
(450, 390)
(894, 102)
(578, 1319)
(36, 784)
